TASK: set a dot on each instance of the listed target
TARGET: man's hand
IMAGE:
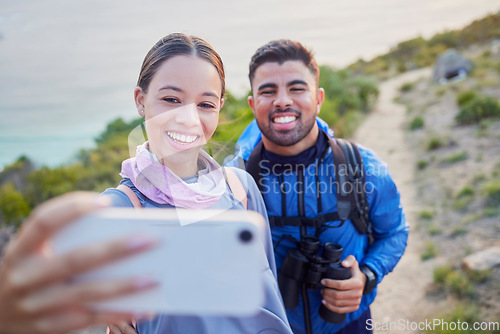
(344, 296)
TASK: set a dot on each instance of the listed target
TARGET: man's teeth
(181, 138)
(284, 119)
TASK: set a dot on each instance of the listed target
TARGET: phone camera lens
(246, 236)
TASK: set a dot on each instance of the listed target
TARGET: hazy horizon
(69, 68)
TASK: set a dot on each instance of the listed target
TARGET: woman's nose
(188, 115)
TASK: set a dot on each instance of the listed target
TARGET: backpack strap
(253, 164)
(357, 178)
(131, 195)
(236, 186)
(345, 197)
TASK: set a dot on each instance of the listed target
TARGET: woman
(179, 92)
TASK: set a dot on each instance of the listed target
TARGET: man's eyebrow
(297, 82)
(267, 85)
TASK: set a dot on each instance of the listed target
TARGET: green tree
(13, 206)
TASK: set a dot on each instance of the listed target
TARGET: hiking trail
(401, 295)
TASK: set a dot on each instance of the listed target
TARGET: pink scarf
(158, 183)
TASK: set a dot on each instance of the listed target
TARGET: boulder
(451, 65)
(482, 260)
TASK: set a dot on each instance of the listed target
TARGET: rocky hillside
(458, 184)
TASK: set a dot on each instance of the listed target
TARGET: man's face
(285, 103)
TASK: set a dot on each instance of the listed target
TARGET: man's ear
(320, 97)
(221, 103)
(251, 103)
(139, 100)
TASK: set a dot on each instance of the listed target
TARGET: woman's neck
(182, 170)
(183, 164)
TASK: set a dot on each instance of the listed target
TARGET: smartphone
(208, 262)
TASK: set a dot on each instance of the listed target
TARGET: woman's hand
(35, 293)
(121, 327)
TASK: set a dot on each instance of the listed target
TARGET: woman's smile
(182, 138)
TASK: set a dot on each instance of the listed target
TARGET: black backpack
(351, 190)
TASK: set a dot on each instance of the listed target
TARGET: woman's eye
(171, 100)
(207, 106)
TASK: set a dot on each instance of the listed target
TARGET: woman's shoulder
(118, 198)
(245, 178)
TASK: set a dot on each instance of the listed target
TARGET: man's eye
(171, 100)
(267, 92)
(297, 89)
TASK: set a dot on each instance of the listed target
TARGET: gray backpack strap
(356, 172)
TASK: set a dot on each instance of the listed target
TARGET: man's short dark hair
(280, 51)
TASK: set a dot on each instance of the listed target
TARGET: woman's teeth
(284, 119)
(183, 139)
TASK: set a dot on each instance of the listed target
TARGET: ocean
(68, 68)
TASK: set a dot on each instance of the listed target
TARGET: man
(287, 150)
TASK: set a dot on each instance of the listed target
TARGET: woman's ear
(139, 100)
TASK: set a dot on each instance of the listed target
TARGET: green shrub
(456, 157)
(13, 206)
(465, 97)
(459, 284)
(491, 212)
(440, 273)
(466, 191)
(448, 38)
(461, 203)
(426, 214)
(434, 144)
(470, 218)
(478, 178)
(421, 164)
(460, 230)
(406, 87)
(478, 109)
(429, 252)
(463, 199)
(434, 229)
(479, 276)
(492, 191)
(416, 123)
(463, 312)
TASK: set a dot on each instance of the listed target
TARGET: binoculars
(304, 267)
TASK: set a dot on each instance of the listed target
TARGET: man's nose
(283, 100)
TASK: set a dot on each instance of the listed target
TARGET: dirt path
(402, 293)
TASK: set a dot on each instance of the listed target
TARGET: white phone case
(204, 262)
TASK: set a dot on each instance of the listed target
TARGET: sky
(68, 67)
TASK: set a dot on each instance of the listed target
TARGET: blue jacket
(390, 229)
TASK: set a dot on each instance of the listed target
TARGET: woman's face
(181, 108)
